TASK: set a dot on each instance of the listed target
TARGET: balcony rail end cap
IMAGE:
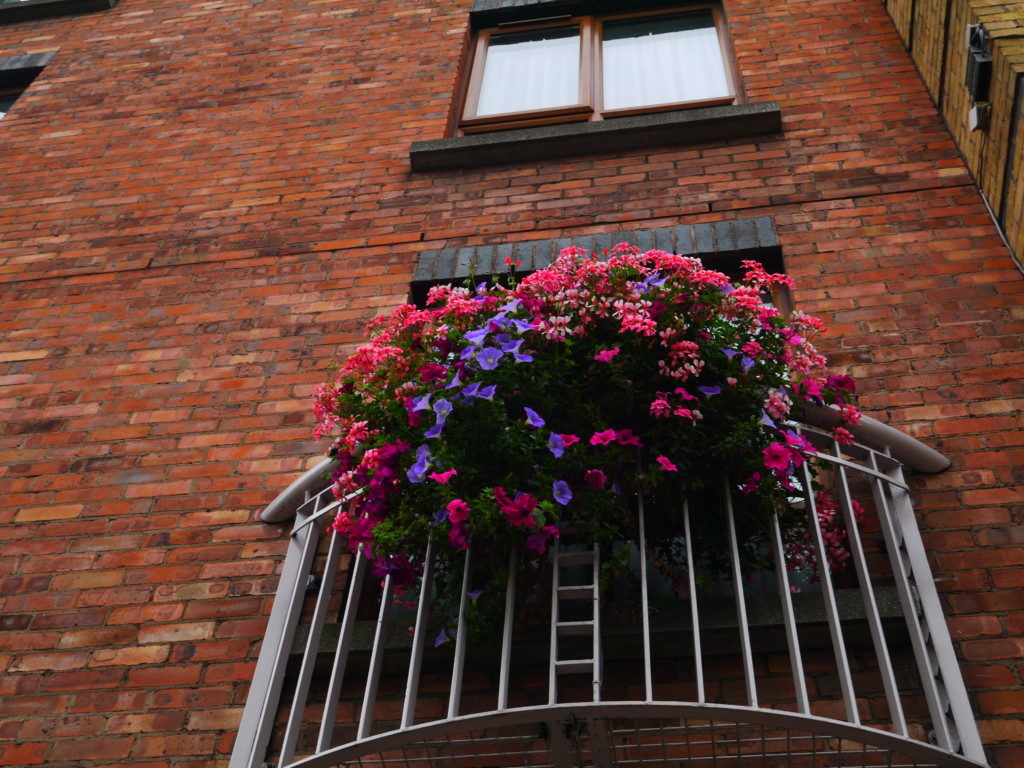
(906, 449)
(313, 480)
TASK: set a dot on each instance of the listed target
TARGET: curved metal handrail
(909, 451)
(555, 717)
(855, 469)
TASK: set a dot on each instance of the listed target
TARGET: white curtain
(530, 74)
(663, 68)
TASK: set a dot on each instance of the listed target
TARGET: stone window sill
(26, 10)
(613, 135)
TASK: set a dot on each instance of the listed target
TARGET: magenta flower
(841, 382)
(518, 512)
(606, 355)
(568, 440)
(432, 372)
(603, 438)
(626, 437)
(777, 457)
(538, 541)
(443, 477)
(595, 478)
(666, 465)
(458, 511)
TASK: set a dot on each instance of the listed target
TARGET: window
(16, 74)
(576, 69)
(12, 11)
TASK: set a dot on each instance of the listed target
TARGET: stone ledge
(27, 10)
(613, 135)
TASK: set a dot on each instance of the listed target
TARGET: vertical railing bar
(291, 733)
(376, 660)
(741, 605)
(261, 708)
(419, 632)
(348, 624)
(553, 644)
(896, 536)
(506, 633)
(789, 618)
(694, 617)
(596, 653)
(892, 693)
(831, 606)
(645, 610)
(459, 661)
(959, 702)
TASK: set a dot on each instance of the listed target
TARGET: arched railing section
(852, 667)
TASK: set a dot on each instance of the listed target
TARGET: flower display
(501, 415)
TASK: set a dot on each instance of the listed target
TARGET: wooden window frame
(590, 106)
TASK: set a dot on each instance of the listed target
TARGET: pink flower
(605, 356)
(458, 537)
(626, 437)
(518, 512)
(666, 465)
(458, 514)
(777, 457)
(843, 436)
(432, 372)
(841, 382)
(750, 485)
(603, 438)
(538, 541)
(595, 478)
(443, 477)
(660, 408)
(568, 440)
(458, 511)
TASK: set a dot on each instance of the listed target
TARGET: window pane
(662, 61)
(531, 70)
(6, 102)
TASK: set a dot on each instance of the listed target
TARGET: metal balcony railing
(857, 669)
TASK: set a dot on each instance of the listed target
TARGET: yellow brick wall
(935, 33)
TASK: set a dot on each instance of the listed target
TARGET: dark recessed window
(14, 80)
(595, 67)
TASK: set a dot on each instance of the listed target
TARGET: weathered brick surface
(200, 204)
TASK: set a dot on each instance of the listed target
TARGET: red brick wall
(201, 203)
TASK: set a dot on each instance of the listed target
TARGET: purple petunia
(533, 418)
(562, 492)
(710, 391)
(730, 353)
(421, 403)
(417, 473)
(746, 363)
(489, 357)
(442, 408)
(477, 337)
(556, 445)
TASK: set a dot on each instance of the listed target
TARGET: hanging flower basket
(505, 413)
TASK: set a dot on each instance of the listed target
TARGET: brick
(148, 654)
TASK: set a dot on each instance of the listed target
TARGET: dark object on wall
(979, 63)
